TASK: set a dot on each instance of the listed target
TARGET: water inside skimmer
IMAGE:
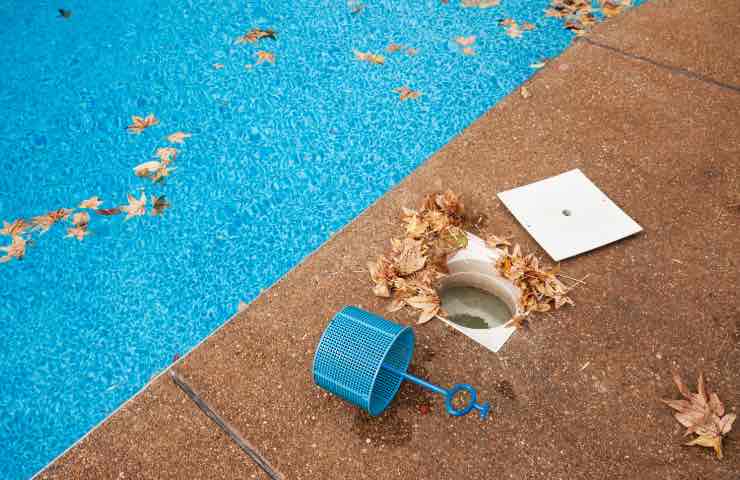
(474, 308)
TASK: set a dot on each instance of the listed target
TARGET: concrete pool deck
(648, 106)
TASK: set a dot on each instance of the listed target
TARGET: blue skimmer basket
(351, 353)
(363, 358)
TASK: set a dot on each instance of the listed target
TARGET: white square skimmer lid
(568, 215)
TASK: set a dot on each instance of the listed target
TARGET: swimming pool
(281, 156)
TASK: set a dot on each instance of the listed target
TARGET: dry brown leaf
(15, 228)
(108, 211)
(178, 137)
(393, 47)
(255, 35)
(166, 155)
(264, 56)
(369, 57)
(46, 221)
(405, 93)
(465, 41)
(411, 258)
(524, 92)
(139, 124)
(702, 413)
(77, 232)
(159, 205)
(16, 249)
(136, 206)
(495, 241)
(382, 273)
(92, 203)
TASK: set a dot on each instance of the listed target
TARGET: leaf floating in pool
(136, 206)
(394, 47)
(264, 56)
(178, 137)
(80, 221)
(139, 124)
(369, 57)
(412, 52)
(255, 35)
(218, 66)
(159, 205)
(65, 14)
(166, 155)
(512, 27)
(465, 41)
(405, 93)
(480, 3)
(14, 228)
(108, 212)
(92, 203)
(46, 221)
(467, 45)
(16, 249)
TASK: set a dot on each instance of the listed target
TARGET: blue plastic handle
(448, 394)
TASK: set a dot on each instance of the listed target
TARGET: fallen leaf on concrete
(410, 257)
(524, 92)
(382, 273)
(702, 413)
(369, 57)
(540, 287)
(495, 241)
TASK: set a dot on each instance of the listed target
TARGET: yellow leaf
(405, 93)
(139, 124)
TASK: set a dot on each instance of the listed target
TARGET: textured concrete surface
(698, 36)
(574, 396)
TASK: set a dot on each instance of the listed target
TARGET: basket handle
(448, 394)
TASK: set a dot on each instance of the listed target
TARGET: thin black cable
(226, 427)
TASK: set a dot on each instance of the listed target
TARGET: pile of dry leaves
(408, 274)
(703, 414)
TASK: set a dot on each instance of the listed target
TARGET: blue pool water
(281, 156)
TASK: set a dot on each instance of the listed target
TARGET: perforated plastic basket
(351, 353)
